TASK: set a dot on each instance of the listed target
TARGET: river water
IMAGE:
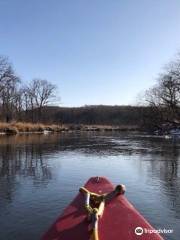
(40, 174)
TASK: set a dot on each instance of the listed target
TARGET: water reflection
(41, 172)
(22, 156)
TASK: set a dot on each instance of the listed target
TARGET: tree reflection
(165, 167)
(23, 156)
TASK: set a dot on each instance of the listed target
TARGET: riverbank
(21, 127)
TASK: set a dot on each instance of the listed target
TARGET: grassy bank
(21, 127)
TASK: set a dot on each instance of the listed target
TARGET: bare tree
(40, 93)
(8, 88)
(4, 65)
(17, 101)
(170, 94)
(164, 96)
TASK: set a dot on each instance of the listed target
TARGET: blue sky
(96, 52)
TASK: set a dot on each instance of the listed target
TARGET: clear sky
(96, 51)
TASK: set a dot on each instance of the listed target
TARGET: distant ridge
(91, 114)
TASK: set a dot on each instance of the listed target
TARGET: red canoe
(119, 220)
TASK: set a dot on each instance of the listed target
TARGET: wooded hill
(98, 114)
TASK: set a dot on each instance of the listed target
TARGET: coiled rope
(95, 205)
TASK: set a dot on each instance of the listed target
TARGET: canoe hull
(119, 221)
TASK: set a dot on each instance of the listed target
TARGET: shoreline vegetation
(32, 107)
(22, 127)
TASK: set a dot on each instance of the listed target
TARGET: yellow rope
(95, 213)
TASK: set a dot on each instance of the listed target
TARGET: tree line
(29, 102)
(94, 115)
(18, 99)
(163, 98)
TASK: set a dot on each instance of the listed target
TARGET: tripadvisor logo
(139, 231)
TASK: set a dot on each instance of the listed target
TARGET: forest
(34, 102)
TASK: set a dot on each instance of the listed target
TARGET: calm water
(40, 174)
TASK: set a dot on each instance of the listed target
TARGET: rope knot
(95, 204)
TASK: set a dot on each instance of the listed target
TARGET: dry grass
(20, 127)
(29, 127)
(8, 128)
